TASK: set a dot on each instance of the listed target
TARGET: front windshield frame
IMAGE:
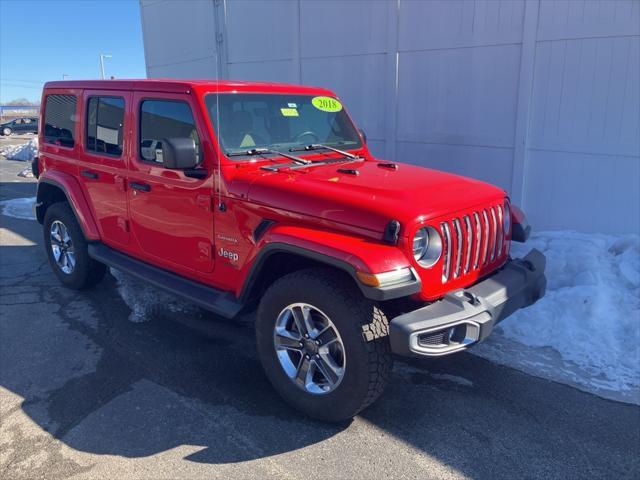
(241, 153)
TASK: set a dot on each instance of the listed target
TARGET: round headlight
(427, 246)
(507, 217)
(420, 243)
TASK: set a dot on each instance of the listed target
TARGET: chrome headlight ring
(506, 222)
(427, 246)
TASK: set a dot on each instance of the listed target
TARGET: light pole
(102, 57)
(65, 76)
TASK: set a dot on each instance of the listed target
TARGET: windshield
(279, 121)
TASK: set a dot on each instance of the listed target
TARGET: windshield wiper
(262, 151)
(318, 146)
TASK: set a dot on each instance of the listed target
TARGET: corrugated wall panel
(586, 96)
(457, 96)
(336, 27)
(462, 23)
(559, 124)
(366, 98)
(592, 193)
(261, 31)
(583, 168)
(561, 19)
(462, 96)
(177, 33)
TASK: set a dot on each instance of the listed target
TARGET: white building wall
(540, 97)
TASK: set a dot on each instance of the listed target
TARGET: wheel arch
(52, 190)
(276, 260)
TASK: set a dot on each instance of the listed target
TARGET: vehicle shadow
(103, 384)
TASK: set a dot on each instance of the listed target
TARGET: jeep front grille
(472, 241)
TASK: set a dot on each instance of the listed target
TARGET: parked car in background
(20, 125)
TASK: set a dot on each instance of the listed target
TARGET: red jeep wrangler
(232, 194)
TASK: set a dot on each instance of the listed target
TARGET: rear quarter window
(105, 119)
(60, 120)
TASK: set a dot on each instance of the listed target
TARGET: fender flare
(520, 229)
(283, 242)
(73, 192)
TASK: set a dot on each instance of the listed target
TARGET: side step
(209, 298)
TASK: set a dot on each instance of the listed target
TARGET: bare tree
(23, 102)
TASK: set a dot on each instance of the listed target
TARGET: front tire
(67, 249)
(6, 131)
(323, 346)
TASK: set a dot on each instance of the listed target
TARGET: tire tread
(374, 328)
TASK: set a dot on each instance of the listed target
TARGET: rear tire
(360, 326)
(67, 249)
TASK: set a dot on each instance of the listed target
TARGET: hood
(374, 196)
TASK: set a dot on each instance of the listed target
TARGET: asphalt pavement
(87, 393)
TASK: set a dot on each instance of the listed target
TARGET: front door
(18, 125)
(103, 162)
(170, 210)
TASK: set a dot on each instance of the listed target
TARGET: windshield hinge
(392, 232)
(205, 202)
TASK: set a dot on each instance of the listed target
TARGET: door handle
(143, 187)
(89, 174)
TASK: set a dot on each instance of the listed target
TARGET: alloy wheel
(62, 247)
(309, 348)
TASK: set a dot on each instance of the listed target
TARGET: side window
(60, 120)
(165, 119)
(105, 118)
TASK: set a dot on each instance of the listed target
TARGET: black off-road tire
(362, 326)
(87, 272)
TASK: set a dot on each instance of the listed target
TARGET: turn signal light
(386, 279)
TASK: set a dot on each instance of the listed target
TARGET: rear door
(170, 210)
(103, 160)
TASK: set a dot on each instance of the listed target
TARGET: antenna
(217, 132)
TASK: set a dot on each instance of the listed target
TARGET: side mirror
(364, 135)
(179, 153)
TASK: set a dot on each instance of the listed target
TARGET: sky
(42, 40)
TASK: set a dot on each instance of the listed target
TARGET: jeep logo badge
(233, 256)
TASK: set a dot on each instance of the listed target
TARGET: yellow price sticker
(326, 104)
(289, 112)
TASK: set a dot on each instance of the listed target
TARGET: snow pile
(145, 301)
(26, 173)
(586, 330)
(24, 152)
(18, 208)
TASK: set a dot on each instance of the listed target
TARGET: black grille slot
(435, 338)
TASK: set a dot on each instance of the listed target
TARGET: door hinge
(123, 224)
(219, 38)
(204, 250)
(120, 183)
(204, 201)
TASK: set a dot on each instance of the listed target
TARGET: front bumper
(467, 316)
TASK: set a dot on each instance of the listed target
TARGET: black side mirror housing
(179, 153)
(364, 135)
